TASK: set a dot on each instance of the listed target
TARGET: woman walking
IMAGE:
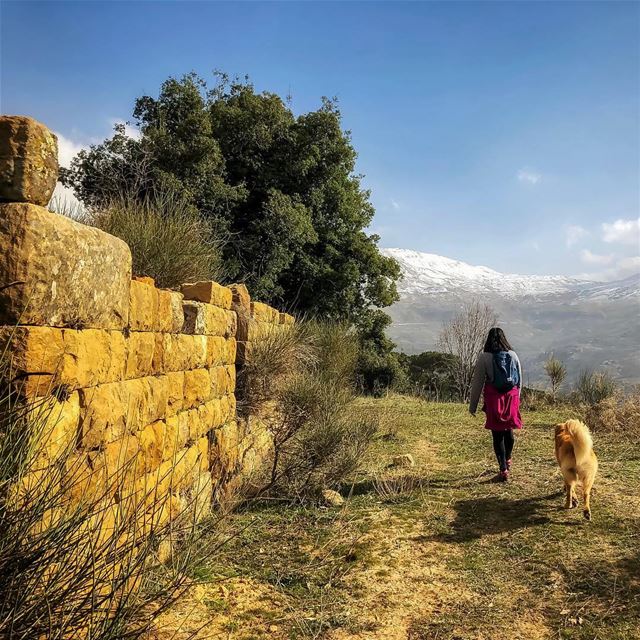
(498, 370)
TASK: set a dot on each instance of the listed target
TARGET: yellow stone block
(209, 292)
(264, 313)
(212, 415)
(241, 298)
(140, 349)
(230, 371)
(28, 160)
(216, 350)
(224, 447)
(109, 411)
(36, 355)
(92, 356)
(54, 424)
(285, 318)
(190, 427)
(183, 352)
(197, 387)
(231, 355)
(164, 312)
(178, 428)
(188, 466)
(143, 306)
(159, 442)
(117, 466)
(201, 318)
(175, 397)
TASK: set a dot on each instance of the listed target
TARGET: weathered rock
(240, 297)
(36, 358)
(403, 460)
(197, 387)
(28, 161)
(72, 275)
(109, 411)
(285, 318)
(91, 357)
(201, 318)
(175, 383)
(210, 292)
(164, 312)
(264, 313)
(56, 423)
(139, 359)
(143, 305)
(331, 498)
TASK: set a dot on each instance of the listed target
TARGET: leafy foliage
(281, 187)
(430, 375)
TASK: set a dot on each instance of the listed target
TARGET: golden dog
(578, 462)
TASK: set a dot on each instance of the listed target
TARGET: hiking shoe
(503, 476)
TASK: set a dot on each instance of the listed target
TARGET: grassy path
(438, 550)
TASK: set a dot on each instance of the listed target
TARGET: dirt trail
(450, 556)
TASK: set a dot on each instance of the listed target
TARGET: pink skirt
(502, 409)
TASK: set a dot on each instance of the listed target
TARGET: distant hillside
(585, 323)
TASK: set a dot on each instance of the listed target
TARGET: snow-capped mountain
(586, 323)
(430, 274)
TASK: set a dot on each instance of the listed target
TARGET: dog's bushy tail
(581, 440)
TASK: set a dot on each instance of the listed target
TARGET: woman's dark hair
(496, 341)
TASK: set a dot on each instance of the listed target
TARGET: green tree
(282, 188)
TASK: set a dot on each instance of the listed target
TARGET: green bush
(319, 433)
(169, 240)
(593, 387)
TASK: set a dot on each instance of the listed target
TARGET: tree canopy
(281, 188)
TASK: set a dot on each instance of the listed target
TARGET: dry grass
(75, 562)
(619, 414)
(169, 240)
(441, 551)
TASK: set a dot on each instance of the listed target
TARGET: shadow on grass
(477, 517)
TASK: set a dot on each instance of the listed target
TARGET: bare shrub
(593, 387)
(81, 557)
(168, 238)
(319, 433)
(556, 372)
(280, 350)
(463, 337)
(618, 413)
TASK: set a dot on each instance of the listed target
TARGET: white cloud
(629, 265)
(129, 130)
(622, 231)
(574, 233)
(67, 149)
(395, 204)
(531, 177)
(594, 258)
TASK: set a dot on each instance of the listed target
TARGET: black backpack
(505, 371)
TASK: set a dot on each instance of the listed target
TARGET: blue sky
(501, 134)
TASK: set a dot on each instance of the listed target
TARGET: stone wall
(135, 376)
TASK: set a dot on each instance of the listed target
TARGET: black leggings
(503, 446)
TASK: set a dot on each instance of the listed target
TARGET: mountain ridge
(589, 324)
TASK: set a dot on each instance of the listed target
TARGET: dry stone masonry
(131, 372)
